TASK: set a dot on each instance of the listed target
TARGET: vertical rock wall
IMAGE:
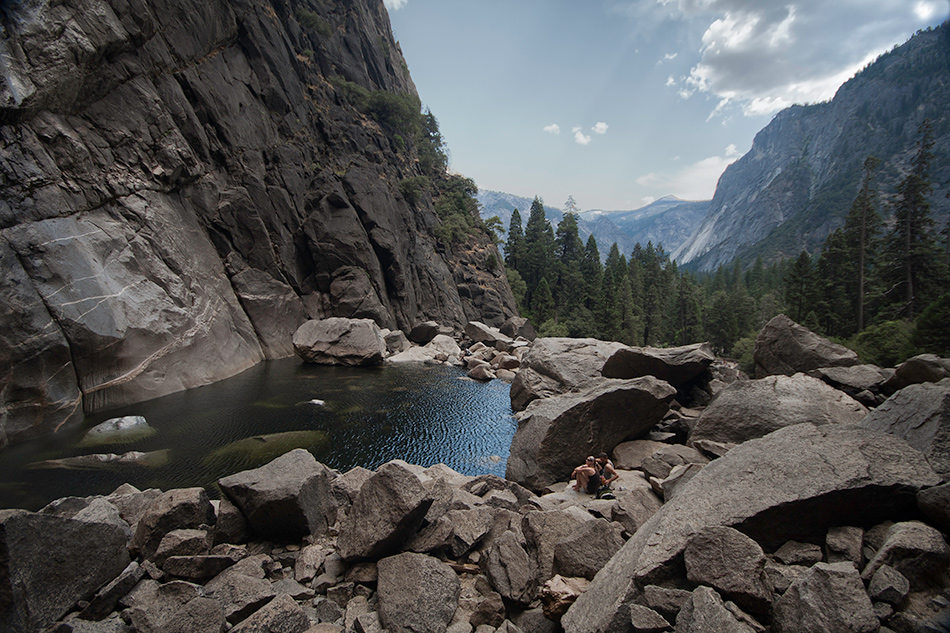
(183, 182)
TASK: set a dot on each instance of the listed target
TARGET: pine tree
(514, 245)
(540, 258)
(799, 287)
(542, 303)
(568, 293)
(861, 229)
(593, 272)
(910, 244)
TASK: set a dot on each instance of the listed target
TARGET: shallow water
(423, 414)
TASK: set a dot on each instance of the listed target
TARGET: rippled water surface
(423, 414)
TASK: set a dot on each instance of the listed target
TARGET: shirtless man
(609, 473)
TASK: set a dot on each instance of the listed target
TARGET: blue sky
(620, 102)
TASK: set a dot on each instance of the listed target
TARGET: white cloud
(579, 137)
(647, 200)
(554, 128)
(693, 182)
(670, 56)
(600, 128)
(760, 57)
(395, 5)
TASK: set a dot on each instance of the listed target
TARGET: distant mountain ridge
(799, 179)
(667, 221)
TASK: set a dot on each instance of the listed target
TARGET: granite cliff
(184, 182)
(798, 181)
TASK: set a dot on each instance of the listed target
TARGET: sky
(621, 102)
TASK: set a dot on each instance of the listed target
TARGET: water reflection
(345, 416)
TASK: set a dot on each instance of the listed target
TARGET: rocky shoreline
(776, 504)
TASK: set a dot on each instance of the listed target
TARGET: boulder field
(816, 524)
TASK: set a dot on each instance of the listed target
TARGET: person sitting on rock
(608, 472)
(589, 476)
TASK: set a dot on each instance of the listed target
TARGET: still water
(423, 414)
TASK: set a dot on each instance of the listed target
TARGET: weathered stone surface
(239, 594)
(199, 568)
(182, 542)
(665, 601)
(785, 347)
(920, 414)
(888, 585)
(675, 365)
(588, 549)
(704, 612)
(153, 607)
(273, 307)
(481, 372)
(845, 543)
(795, 553)
(733, 564)
(387, 511)
(814, 473)
(646, 620)
(543, 531)
(630, 455)
(853, 380)
(230, 525)
(829, 598)
(667, 456)
(118, 431)
(490, 611)
(679, 475)
(559, 593)
(281, 614)
(635, 508)
(106, 599)
(422, 333)
(555, 434)
(556, 365)
(396, 342)
(516, 326)
(509, 569)
(919, 369)
(935, 504)
(753, 408)
(916, 550)
(417, 593)
(340, 341)
(455, 533)
(182, 508)
(480, 333)
(288, 498)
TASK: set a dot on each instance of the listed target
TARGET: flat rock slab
(752, 408)
(815, 473)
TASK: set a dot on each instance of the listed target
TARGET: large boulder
(919, 414)
(386, 513)
(828, 598)
(286, 499)
(816, 474)
(181, 508)
(555, 434)
(916, 370)
(553, 366)
(478, 332)
(423, 332)
(417, 593)
(340, 341)
(747, 409)
(675, 365)
(705, 612)
(49, 563)
(518, 326)
(785, 347)
(732, 563)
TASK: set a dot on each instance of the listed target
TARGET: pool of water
(423, 414)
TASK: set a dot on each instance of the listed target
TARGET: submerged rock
(118, 431)
(263, 448)
(151, 459)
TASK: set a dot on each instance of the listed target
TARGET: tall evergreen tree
(514, 245)
(542, 302)
(568, 293)
(799, 287)
(593, 272)
(910, 244)
(861, 229)
(540, 256)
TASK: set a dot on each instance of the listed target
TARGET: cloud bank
(764, 56)
(693, 182)
(395, 5)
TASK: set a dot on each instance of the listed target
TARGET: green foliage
(495, 228)
(398, 113)
(542, 302)
(457, 209)
(932, 332)
(433, 159)
(313, 22)
(553, 328)
(886, 344)
(742, 352)
(491, 262)
(415, 188)
(518, 287)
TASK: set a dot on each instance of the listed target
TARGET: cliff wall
(184, 182)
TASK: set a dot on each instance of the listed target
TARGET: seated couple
(594, 474)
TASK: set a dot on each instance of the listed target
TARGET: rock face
(919, 414)
(785, 347)
(557, 365)
(816, 474)
(181, 195)
(752, 408)
(555, 434)
(339, 341)
(417, 593)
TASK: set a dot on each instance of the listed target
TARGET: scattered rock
(914, 549)
(417, 593)
(733, 564)
(183, 508)
(422, 333)
(705, 612)
(828, 598)
(675, 365)
(919, 369)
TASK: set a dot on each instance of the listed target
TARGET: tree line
(876, 286)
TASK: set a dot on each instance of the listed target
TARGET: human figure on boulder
(589, 476)
(608, 472)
